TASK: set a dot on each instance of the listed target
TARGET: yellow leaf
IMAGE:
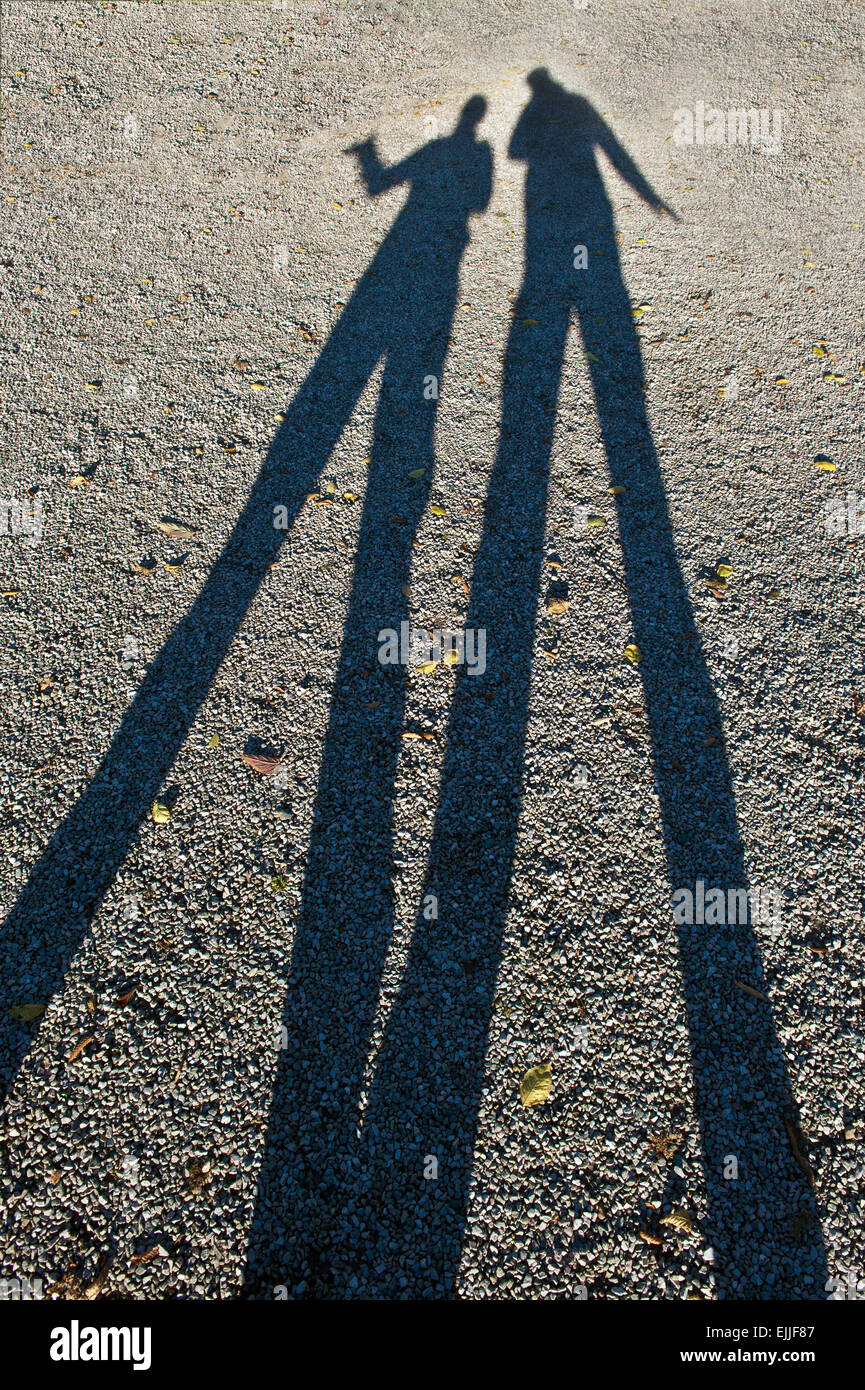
(79, 481)
(26, 1013)
(256, 386)
(781, 381)
(596, 521)
(536, 1084)
(330, 489)
(213, 742)
(724, 571)
(821, 461)
(451, 657)
(633, 653)
(417, 472)
(160, 813)
(349, 496)
(617, 491)
(426, 666)
(774, 593)
(438, 511)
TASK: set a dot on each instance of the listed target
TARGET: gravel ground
(269, 1041)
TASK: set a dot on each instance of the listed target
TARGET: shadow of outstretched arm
(624, 165)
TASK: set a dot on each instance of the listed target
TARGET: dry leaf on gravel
(145, 1257)
(26, 1013)
(650, 1239)
(679, 1220)
(175, 529)
(94, 1290)
(536, 1084)
(749, 989)
(79, 1048)
(665, 1145)
(198, 1178)
(266, 766)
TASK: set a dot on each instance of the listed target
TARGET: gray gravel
(276, 1040)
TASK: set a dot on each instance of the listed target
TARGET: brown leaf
(79, 1048)
(175, 529)
(198, 1176)
(665, 1145)
(679, 1220)
(145, 1257)
(650, 1239)
(266, 766)
(125, 998)
(749, 989)
(94, 1290)
(797, 1150)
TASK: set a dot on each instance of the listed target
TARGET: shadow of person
(425, 1092)
(400, 311)
(308, 1183)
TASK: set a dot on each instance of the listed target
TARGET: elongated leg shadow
(401, 310)
(427, 1085)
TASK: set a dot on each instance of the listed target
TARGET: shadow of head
(471, 115)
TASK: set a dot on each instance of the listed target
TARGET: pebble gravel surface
(323, 977)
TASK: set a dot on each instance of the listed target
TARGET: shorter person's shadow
(401, 311)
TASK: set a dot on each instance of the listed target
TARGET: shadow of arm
(622, 162)
(377, 177)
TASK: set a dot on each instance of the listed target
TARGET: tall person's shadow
(401, 311)
(426, 1088)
